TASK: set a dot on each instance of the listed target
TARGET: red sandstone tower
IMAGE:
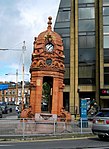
(47, 66)
(47, 75)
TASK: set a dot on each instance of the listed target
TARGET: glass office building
(84, 28)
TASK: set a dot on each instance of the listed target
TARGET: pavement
(47, 138)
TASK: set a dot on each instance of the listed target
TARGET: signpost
(84, 109)
(83, 113)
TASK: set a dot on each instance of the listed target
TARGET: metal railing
(30, 127)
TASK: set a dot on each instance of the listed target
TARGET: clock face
(49, 61)
(49, 47)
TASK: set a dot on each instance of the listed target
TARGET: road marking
(104, 147)
(5, 145)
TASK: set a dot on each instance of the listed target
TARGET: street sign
(84, 109)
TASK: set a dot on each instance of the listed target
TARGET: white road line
(5, 145)
(98, 148)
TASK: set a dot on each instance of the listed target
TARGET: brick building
(13, 95)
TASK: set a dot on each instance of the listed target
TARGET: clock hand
(49, 48)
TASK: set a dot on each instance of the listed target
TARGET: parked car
(100, 124)
(5, 108)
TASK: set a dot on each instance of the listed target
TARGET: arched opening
(46, 104)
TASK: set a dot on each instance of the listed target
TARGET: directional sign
(84, 109)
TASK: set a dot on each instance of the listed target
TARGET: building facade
(84, 28)
(13, 95)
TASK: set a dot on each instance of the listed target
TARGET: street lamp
(23, 49)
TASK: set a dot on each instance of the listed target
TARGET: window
(2, 92)
(86, 13)
(87, 55)
(106, 20)
(86, 1)
(13, 92)
(105, 10)
(86, 81)
(67, 81)
(6, 92)
(65, 3)
(66, 42)
(86, 25)
(62, 25)
(67, 56)
(106, 75)
(86, 41)
(106, 79)
(106, 70)
(63, 30)
(63, 16)
(106, 56)
(106, 42)
(106, 30)
(86, 71)
(105, 2)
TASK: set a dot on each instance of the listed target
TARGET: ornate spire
(49, 23)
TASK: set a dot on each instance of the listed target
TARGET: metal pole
(23, 49)
(81, 124)
(16, 86)
(54, 126)
(23, 128)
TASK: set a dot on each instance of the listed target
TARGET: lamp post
(16, 85)
(23, 50)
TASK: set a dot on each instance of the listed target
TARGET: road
(13, 113)
(81, 143)
(85, 143)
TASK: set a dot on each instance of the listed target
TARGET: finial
(35, 38)
(49, 22)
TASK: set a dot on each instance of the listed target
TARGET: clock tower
(47, 72)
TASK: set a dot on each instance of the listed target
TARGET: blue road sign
(84, 109)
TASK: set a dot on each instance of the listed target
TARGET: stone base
(45, 116)
(35, 127)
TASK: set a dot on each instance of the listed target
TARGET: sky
(21, 20)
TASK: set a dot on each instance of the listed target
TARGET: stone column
(32, 97)
(38, 98)
(55, 96)
(60, 99)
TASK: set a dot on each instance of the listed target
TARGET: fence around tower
(29, 127)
